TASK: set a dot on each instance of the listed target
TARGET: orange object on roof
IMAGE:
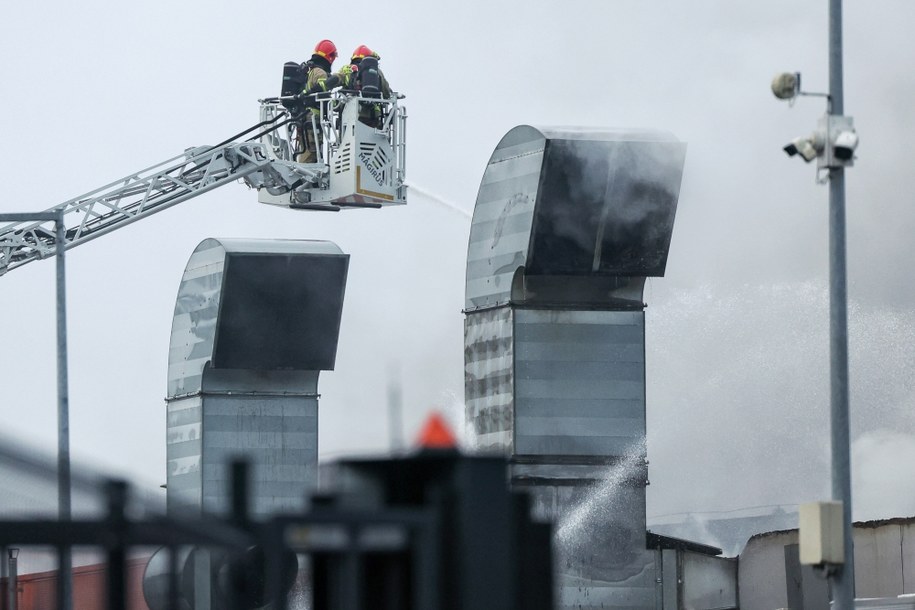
(436, 434)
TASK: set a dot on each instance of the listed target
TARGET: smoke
(607, 206)
(882, 484)
(747, 425)
(699, 526)
(455, 412)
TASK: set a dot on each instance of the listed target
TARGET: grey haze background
(737, 330)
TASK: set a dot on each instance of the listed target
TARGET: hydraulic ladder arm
(131, 198)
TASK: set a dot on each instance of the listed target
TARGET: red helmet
(327, 50)
(361, 52)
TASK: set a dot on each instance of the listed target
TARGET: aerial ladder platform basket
(361, 162)
(358, 164)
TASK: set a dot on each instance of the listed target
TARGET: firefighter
(370, 82)
(319, 80)
(360, 53)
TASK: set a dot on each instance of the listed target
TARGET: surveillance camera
(844, 145)
(787, 85)
(805, 147)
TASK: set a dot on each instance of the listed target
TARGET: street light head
(787, 85)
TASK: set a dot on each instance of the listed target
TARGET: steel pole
(844, 578)
(64, 554)
(65, 573)
(12, 582)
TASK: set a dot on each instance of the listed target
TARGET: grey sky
(736, 331)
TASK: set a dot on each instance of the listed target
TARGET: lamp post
(64, 581)
(844, 579)
(833, 145)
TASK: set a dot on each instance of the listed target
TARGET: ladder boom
(129, 199)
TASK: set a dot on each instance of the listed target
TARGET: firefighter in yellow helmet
(319, 79)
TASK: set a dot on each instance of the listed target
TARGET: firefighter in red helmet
(367, 78)
(319, 79)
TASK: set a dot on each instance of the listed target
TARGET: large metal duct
(255, 322)
(568, 224)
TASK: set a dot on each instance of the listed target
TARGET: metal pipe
(13, 582)
(273, 553)
(4, 576)
(173, 578)
(844, 578)
(116, 492)
(29, 216)
(65, 576)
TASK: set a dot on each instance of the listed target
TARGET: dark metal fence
(437, 531)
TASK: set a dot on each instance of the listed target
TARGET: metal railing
(446, 534)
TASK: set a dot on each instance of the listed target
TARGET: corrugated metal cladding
(501, 228)
(255, 321)
(579, 382)
(489, 377)
(194, 322)
(278, 434)
(183, 451)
